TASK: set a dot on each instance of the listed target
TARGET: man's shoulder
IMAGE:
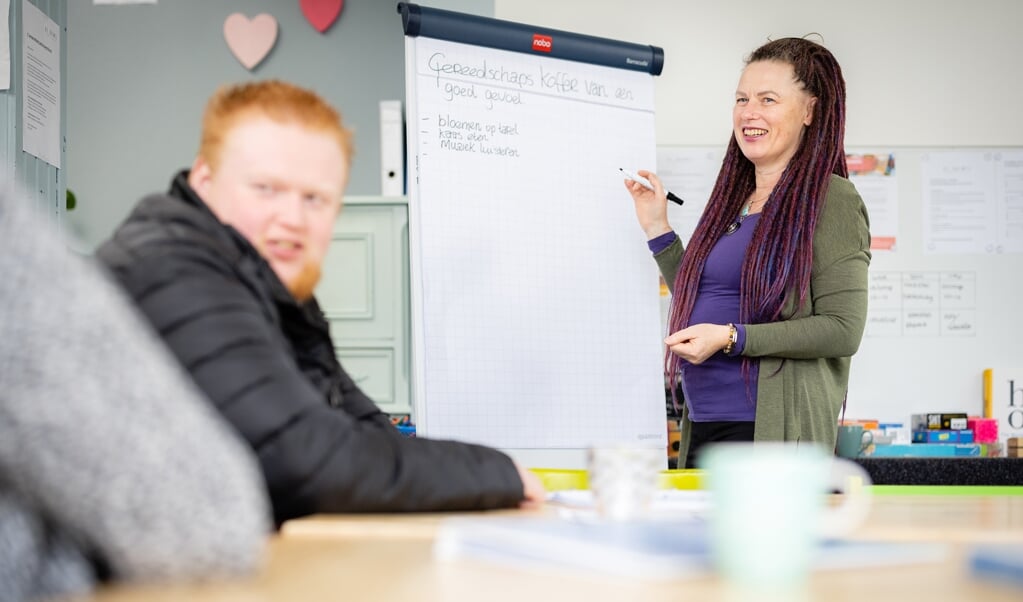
(162, 226)
(169, 242)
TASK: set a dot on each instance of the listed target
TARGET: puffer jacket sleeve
(314, 458)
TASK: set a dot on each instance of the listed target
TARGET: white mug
(768, 508)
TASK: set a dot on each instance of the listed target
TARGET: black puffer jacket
(268, 365)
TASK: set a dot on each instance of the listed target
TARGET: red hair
(282, 102)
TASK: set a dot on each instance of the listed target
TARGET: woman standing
(770, 297)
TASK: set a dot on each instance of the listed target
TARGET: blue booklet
(656, 550)
(999, 562)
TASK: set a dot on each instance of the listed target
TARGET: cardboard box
(985, 430)
(927, 450)
(933, 436)
(938, 421)
(867, 424)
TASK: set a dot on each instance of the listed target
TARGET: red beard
(301, 286)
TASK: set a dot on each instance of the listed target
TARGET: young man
(224, 266)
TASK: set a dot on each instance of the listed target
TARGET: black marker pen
(646, 184)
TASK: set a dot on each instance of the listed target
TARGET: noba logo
(542, 43)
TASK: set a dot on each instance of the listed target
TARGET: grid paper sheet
(535, 300)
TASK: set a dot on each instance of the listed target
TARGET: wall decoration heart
(321, 13)
(250, 40)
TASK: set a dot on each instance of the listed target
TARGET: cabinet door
(364, 294)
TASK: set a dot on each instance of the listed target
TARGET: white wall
(920, 75)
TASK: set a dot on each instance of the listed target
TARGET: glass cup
(624, 480)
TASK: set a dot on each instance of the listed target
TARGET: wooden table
(389, 557)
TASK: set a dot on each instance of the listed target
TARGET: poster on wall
(5, 45)
(873, 174)
(40, 85)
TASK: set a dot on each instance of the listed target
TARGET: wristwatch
(733, 338)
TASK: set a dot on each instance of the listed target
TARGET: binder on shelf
(392, 149)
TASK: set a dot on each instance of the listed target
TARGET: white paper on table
(674, 504)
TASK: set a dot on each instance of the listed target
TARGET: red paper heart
(321, 13)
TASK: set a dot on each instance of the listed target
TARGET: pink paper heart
(250, 41)
(321, 13)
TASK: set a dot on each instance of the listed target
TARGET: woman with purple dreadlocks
(769, 298)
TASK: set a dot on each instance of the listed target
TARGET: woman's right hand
(696, 343)
(651, 205)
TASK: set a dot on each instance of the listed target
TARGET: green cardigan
(800, 399)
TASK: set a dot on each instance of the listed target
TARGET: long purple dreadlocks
(776, 268)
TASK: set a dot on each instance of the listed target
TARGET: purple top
(715, 389)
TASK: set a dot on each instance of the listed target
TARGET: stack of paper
(645, 550)
(655, 550)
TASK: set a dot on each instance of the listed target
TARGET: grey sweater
(109, 456)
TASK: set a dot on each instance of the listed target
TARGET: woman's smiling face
(772, 109)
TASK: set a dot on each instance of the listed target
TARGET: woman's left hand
(698, 342)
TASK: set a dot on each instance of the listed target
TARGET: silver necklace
(732, 227)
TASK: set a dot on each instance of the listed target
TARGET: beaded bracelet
(733, 337)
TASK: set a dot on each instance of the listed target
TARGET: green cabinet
(364, 292)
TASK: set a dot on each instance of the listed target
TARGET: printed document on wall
(958, 202)
(1009, 200)
(5, 45)
(40, 85)
(973, 201)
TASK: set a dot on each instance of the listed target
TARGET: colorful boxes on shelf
(985, 430)
(943, 436)
(948, 421)
(927, 450)
(939, 434)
